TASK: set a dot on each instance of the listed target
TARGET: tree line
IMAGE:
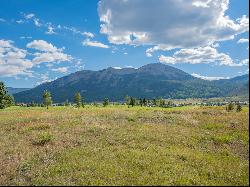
(7, 100)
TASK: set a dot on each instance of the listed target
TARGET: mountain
(149, 81)
(12, 91)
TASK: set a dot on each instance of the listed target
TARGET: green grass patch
(43, 139)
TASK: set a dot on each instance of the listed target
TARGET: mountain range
(149, 81)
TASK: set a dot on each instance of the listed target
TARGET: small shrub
(131, 119)
(230, 107)
(43, 139)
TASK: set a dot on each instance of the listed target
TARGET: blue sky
(41, 40)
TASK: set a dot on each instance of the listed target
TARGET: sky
(42, 40)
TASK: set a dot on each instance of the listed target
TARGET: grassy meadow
(117, 145)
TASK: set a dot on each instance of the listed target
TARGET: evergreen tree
(132, 101)
(66, 103)
(106, 102)
(154, 102)
(47, 99)
(141, 102)
(78, 99)
(238, 108)
(5, 99)
(144, 102)
(230, 107)
(162, 102)
(127, 99)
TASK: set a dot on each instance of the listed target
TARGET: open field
(117, 145)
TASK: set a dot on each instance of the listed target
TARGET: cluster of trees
(78, 99)
(6, 100)
(132, 101)
(231, 106)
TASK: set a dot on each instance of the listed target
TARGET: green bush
(43, 139)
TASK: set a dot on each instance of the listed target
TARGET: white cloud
(44, 78)
(168, 24)
(42, 45)
(88, 34)
(2, 20)
(20, 21)
(87, 42)
(243, 40)
(76, 31)
(116, 67)
(245, 62)
(129, 66)
(207, 77)
(29, 16)
(13, 60)
(49, 53)
(36, 22)
(61, 69)
(50, 29)
(206, 55)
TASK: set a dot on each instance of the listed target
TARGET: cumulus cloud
(168, 24)
(42, 45)
(207, 77)
(243, 40)
(13, 60)
(49, 53)
(206, 55)
(88, 42)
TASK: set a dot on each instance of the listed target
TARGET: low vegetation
(117, 145)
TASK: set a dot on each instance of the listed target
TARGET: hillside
(16, 90)
(150, 81)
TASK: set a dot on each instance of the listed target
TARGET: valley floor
(117, 145)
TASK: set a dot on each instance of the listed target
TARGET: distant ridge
(150, 81)
(16, 90)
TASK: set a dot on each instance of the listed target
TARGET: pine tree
(141, 102)
(132, 101)
(106, 102)
(238, 108)
(230, 107)
(78, 99)
(127, 99)
(47, 99)
(66, 103)
(5, 99)
(144, 102)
